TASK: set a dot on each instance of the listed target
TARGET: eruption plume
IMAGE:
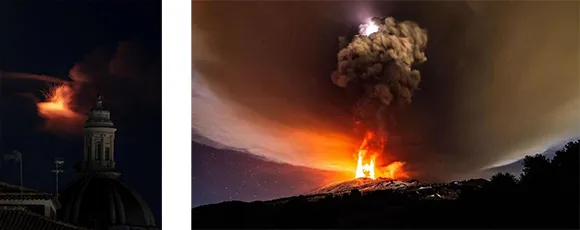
(380, 61)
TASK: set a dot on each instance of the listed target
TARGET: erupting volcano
(373, 145)
(379, 63)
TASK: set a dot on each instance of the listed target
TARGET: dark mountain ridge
(545, 196)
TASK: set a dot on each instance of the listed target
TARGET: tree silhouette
(566, 162)
(503, 180)
(567, 182)
(537, 172)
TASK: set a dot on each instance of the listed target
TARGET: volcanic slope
(323, 207)
(365, 185)
(409, 187)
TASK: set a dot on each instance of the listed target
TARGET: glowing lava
(368, 28)
(57, 103)
(368, 169)
(395, 170)
(369, 151)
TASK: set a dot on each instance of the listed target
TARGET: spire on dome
(99, 116)
(99, 104)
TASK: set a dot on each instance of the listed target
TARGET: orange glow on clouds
(309, 142)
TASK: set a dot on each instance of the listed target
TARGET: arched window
(107, 153)
(99, 151)
(88, 145)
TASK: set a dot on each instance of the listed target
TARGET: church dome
(98, 199)
(102, 202)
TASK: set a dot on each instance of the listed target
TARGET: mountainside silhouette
(546, 195)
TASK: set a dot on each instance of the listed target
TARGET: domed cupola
(98, 199)
(99, 132)
(103, 203)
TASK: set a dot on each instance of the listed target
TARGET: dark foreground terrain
(545, 196)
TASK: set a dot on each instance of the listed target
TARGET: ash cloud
(382, 62)
(489, 94)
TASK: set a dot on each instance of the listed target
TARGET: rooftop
(21, 218)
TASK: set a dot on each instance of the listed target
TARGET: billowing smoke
(501, 82)
(382, 62)
(379, 63)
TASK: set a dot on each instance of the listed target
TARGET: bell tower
(99, 151)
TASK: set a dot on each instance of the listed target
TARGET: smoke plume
(379, 63)
(382, 62)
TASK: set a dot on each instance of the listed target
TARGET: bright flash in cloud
(368, 28)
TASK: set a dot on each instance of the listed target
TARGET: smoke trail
(43, 78)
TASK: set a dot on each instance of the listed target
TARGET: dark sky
(219, 175)
(489, 94)
(110, 49)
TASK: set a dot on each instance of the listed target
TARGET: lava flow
(368, 152)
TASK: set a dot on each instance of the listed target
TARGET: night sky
(115, 51)
(488, 96)
(219, 175)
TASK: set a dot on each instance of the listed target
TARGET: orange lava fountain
(368, 169)
(368, 153)
(57, 103)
